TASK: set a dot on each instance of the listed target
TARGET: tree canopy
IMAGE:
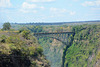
(6, 26)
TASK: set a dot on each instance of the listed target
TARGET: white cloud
(28, 11)
(88, 3)
(53, 9)
(40, 0)
(91, 3)
(76, 0)
(34, 11)
(57, 10)
(5, 3)
(42, 7)
(72, 13)
(95, 8)
(60, 11)
(26, 5)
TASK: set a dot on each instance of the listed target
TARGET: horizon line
(60, 21)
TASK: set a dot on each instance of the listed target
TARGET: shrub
(25, 34)
(39, 50)
(3, 39)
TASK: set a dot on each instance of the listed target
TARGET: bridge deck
(52, 33)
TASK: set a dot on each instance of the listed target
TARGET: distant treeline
(56, 23)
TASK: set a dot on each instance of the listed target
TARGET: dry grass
(8, 33)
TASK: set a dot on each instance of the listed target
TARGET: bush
(39, 50)
(25, 34)
(3, 39)
(23, 29)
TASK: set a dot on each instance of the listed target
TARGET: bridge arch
(60, 36)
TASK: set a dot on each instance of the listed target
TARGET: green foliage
(98, 55)
(26, 50)
(60, 29)
(36, 29)
(39, 50)
(33, 29)
(31, 51)
(25, 34)
(34, 39)
(23, 29)
(84, 46)
(6, 26)
(3, 39)
(12, 39)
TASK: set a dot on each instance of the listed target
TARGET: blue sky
(49, 10)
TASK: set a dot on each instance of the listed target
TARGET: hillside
(85, 49)
(20, 50)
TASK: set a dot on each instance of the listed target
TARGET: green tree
(6, 26)
(25, 34)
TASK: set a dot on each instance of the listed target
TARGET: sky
(26, 11)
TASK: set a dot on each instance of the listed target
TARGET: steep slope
(20, 50)
(85, 50)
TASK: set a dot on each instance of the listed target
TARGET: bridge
(60, 36)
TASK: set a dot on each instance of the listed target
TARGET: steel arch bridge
(60, 36)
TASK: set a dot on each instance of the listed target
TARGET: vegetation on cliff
(84, 52)
(20, 50)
